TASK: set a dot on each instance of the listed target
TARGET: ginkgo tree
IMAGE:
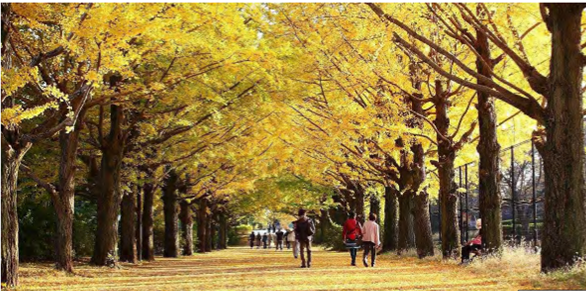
(554, 100)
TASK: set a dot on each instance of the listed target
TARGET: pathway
(245, 269)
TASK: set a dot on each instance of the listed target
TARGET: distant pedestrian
(251, 239)
(293, 239)
(287, 243)
(258, 239)
(304, 230)
(265, 239)
(370, 239)
(350, 234)
(279, 235)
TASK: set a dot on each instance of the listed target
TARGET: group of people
(369, 234)
(299, 238)
(353, 233)
(266, 240)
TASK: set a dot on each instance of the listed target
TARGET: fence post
(513, 192)
(439, 217)
(461, 206)
(534, 195)
(467, 215)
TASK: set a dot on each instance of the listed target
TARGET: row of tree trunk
(136, 231)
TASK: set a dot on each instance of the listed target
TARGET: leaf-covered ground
(245, 269)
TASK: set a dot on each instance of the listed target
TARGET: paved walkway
(246, 269)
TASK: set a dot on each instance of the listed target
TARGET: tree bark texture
(109, 196)
(447, 192)
(406, 239)
(11, 160)
(138, 227)
(423, 234)
(171, 246)
(488, 150)
(186, 217)
(148, 242)
(391, 219)
(564, 231)
(128, 228)
(202, 225)
(375, 206)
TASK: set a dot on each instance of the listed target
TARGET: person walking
(370, 239)
(350, 234)
(293, 240)
(287, 243)
(271, 239)
(304, 230)
(265, 239)
(258, 238)
(251, 239)
(279, 235)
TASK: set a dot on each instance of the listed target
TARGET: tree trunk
(128, 228)
(223, 244)
(564, 232)
(325, 223)
(187, 228)
(447, 192)
(359, 196)
(11, 159)
(109, 198)
(138, 233)
(171, 249)
(375, 206)
(202, 225)
(390, 224)
(488, 150)
(63, 199)
(212, 233)
(406, 238)
(148, 242)
(423, 234)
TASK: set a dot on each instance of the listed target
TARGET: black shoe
(365, 263)
(303, 266)
(309, 265)
(372, 265)
(353, 264)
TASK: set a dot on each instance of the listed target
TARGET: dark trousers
(265, 244)
(303, 246)
(467, 249)
(279, 245)
(369, 247)
(353, 250)
(288, 243)
(251, 244)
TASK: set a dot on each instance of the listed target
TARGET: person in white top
(292, 239)
(370, 239)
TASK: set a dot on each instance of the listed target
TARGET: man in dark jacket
(279, 234)
(265, 239)
(304, 230)
(251, 239)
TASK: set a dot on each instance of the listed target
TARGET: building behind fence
(522, 192)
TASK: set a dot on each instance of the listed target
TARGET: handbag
(351, 244)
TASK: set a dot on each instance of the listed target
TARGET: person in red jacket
(350, 234)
